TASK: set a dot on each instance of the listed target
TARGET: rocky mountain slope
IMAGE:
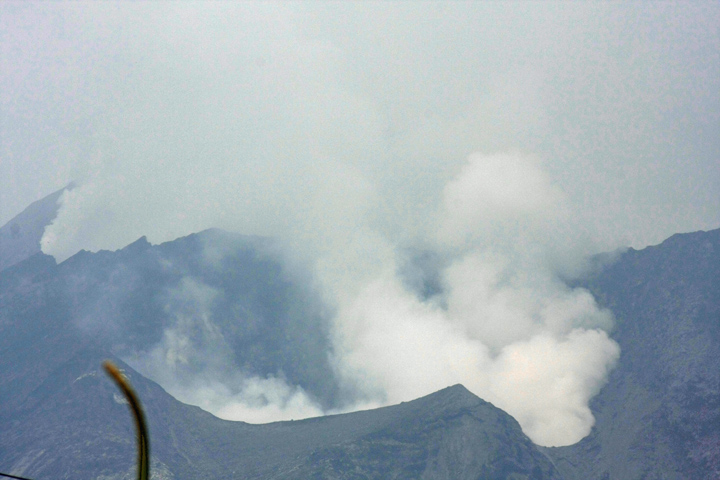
(60, 417)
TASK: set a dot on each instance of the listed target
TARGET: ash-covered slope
(659, 414)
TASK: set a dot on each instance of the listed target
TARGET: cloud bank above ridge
(618, 99)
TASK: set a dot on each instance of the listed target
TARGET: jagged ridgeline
(62, 418)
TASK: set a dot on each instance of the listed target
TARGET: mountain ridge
(657, 416)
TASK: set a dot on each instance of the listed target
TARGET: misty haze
(368, 240)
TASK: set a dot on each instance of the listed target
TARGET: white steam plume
(509, 330)
(271, 132)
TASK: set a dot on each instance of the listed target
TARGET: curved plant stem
(143, 472)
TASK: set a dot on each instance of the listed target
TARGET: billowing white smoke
(507, 329)
(249, 126)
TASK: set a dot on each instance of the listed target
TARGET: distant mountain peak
(138, 245)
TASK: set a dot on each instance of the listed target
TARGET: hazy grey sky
(510, 139)
(618, 100)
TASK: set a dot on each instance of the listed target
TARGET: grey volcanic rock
(20, 237)
(659, 414)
